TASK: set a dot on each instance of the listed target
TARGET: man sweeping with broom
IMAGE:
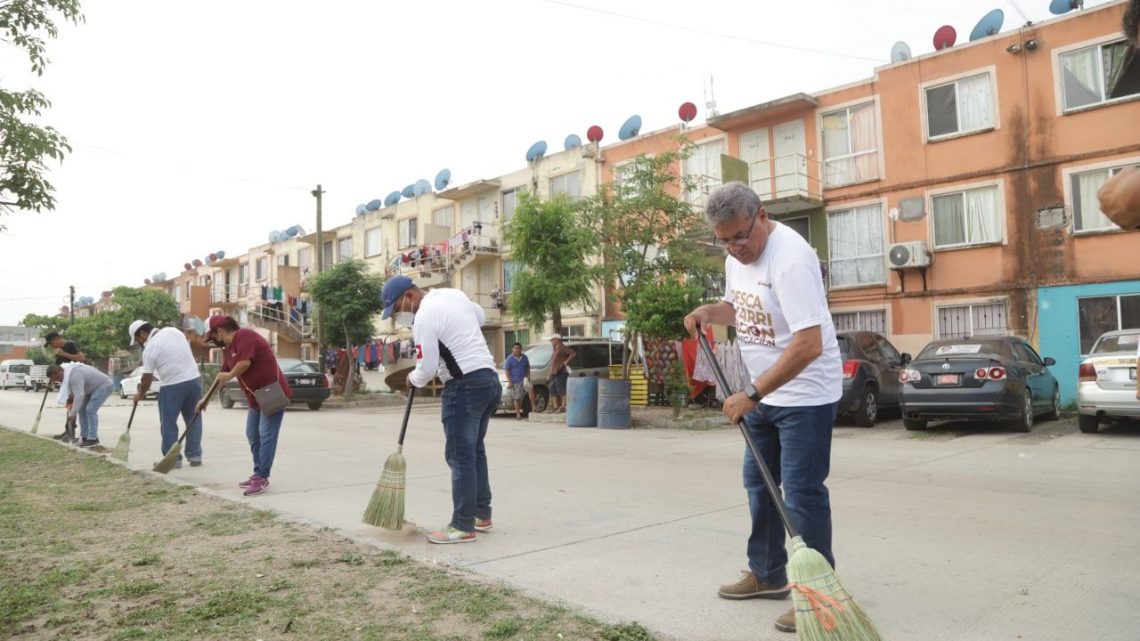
(775, 298)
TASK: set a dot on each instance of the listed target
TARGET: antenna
(900, 52)
(988, 25)
(630, 128)
(392, 199)
(1061, 7)
(442, 179)
(945, 37)
(536, 151)
(572, 142)
(595, 134)
(710, 99)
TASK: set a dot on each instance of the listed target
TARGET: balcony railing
(787, 176)
(447, 256)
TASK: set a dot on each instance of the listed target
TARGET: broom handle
(209, 393)
(407, 413)
(769, 482)
(44, 399)
(130, 420)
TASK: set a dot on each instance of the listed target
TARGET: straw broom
(386, 508)
(123, 448)
(171, 459)
(825, 610)
(40, 414)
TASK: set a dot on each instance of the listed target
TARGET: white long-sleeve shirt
(448, 337)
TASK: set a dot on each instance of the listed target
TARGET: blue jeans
(88, 413)
(261, 431)
(796, 444)
(468, 403)
(176, 399)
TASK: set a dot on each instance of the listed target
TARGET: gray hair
(731, 201)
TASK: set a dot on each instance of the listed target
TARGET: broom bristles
(123, 448)
(36, 425)
(168, 462)
(386, 507)
(825, 610)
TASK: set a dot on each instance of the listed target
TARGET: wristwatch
(754, 394)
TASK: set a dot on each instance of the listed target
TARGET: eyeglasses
(739, 240)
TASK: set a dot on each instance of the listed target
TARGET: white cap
(133, 329)
(554, 336)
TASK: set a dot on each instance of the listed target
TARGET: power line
(706, 32)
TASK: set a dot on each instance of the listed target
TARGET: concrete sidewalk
(978, 534)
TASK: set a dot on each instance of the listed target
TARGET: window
(344, 249)
(960, 107)
(326, 254)
(515, 336)
(305, 258)
(444, 216)
(1087, 215)
(850, 145)
(981, 319)
(262, 268)
(1105, 314)
(510, 203)
(855, 240)
(1087, 74)
(407, 228)
(510, 268)
(569, 184)
(282, 260)
(481, 210)
(591, 355)
(869, 321)
(1024, 353)
(243, 273)
(702, 169)
(969, 217)
(892, 355)
(371, 242)
(571, 331)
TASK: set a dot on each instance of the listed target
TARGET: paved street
(968, 533)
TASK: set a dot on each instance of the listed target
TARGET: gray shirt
(82, 381)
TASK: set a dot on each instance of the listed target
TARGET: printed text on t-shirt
(753, 325)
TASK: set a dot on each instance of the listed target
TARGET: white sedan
(1107, 382)
(130, 385)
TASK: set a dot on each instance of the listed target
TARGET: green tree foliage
(349, 297)
(551, 243)
(25, 146)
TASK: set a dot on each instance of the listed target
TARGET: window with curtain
(243, 273)
(407, 229)
(855, 243)
(978, 319)
(510, 204)
(1100, 314)
(304, 258)
(863, 321)
(444, 216)
(574, 331)
(344, 249)
(481, 209)
(970, 217)
(567, 184)
(371, 242)
(262, 268)
(961, 106)
(283, 260)
(703, 167)
(510, 268)
(326, 254)
(850, 145)
(1087, 215)
(1087, 74)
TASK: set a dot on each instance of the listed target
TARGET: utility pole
(71, 307)
(317, 193)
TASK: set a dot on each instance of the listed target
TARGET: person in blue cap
(446, 328)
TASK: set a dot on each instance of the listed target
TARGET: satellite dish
(442, 179)
(900, 52)
(421, 187)
(196, 262)
(106, 294)
(594, 134)
(988, 25)
(630, 128)
(291, 232)
(372, 205)
(536, 151)
(392, 199)
(360, 209)
(146, 281)
(187, 266)
(161, 276)
(213, 257)
(221, 254)
(945, 37)
(1061, 7)
(209, 261)
(409, 191)
(273, 235)
(572, 142)
(687, 112)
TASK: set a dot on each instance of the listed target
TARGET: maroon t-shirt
(248, 345)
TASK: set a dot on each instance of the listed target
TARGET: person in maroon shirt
(249, 358)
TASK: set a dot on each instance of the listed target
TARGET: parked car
(1106, 383)
(871, 367)
(593, 358)
(309, 385)
(129, 386)
(982, 378)
(37, 378)
(13, 371)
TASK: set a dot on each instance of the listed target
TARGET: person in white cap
(562, 354)
(167, 355)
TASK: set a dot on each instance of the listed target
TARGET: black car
(871, 367)
(982, 378)
(309, 386)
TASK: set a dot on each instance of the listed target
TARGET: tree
(24, 145)
(551, 243)
(349, 296)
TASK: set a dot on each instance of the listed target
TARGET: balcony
(787, 184)
(288, 323)
(227, 296)
(476, 243)
(433, 265)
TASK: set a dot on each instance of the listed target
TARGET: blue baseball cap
(394, 287)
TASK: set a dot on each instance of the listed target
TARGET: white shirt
(167, 354)
(776, 296)
(448, 317)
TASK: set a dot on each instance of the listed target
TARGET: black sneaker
(89, 442)
(66, 436)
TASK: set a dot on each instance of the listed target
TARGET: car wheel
(1089, 423)
(1024, 421)
(227, 402)
(868, 408)
(914, 424)
(315, 405)
(1055, 411)
(542, 398)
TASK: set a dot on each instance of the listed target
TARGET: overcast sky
(202, 126)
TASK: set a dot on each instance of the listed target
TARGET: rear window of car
(1118, 343)
(964, 349)
(844, 347)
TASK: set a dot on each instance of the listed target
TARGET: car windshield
(295, 366)
(971, 349)
(1119, 343)
(20, 369)
(539, 355)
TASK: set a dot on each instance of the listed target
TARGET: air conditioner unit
(908, 255)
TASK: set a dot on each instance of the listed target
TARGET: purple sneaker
(257, 485)
(249, 480)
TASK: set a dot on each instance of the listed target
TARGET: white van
(13, 371)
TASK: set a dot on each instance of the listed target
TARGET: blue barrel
(581, 401)
(613, 403)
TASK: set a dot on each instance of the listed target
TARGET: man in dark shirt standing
(65, 352)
